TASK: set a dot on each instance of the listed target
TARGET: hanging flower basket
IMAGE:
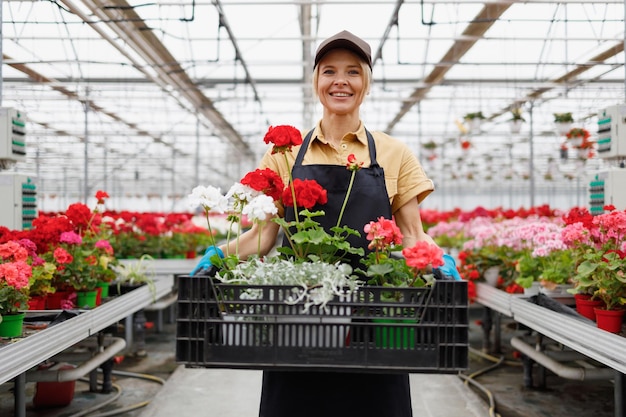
(474, 120)
(515, 125)
(563, 122)
(563, 127)
(577, 137)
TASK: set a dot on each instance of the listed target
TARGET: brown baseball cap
(345, 40)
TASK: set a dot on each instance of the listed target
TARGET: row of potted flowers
(576, 248)
(80, 248)
(75, 253)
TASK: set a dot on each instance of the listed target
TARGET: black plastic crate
(252, 327)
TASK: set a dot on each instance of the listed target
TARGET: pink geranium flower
(382, 234)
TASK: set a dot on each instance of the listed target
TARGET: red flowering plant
(313, 259)
(578, 132)
(255, 195)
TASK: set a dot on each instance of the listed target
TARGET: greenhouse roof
(153, 98)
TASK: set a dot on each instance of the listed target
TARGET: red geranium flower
(266, 181)
(308, 194)
(62, 256)
(283, 137)
(423, 254)
(101, 196)
(352, 164)
(80, 215)
(91, 260)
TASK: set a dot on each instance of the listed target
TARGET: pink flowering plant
(84, 256)
(449, 234)
(15, 273)
(384, 265)
(545, 258)
(598, 245)
(40, 282)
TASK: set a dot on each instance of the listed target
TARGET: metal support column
(486, 325)
(20, 395)
(619, 394)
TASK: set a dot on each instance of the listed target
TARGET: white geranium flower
(210, 198)
(259, 208)
(241, 194)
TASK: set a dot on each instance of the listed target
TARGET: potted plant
(135, 273)
(82, 263)
(599, 256)
(516, 120)
(474, 120)
(578, 138)
(429, 149)
(556, 272)
(474, 116)
(40, 283)
(492, 263)
(563, 122)
(15, 273)
(604, 273)
(385, 267)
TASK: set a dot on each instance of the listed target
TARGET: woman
(391, 182)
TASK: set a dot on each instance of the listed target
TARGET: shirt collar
(359, 133)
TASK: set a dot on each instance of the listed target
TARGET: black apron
(339, 394)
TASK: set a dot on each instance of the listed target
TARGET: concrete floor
(226, 393)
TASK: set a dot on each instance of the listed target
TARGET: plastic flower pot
(394, 337)
(585, 306)
(37, 302)
(11, 325)
(609, 320)
(54, 299)
(86, 299)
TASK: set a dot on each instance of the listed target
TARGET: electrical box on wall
(607, 188)
(12, 135)
(18, 207)
(612, 132)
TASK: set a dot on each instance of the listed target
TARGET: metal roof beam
(489, 14)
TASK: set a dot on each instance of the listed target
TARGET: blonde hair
(367, 79)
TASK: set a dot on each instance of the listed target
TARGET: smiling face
(341, 81)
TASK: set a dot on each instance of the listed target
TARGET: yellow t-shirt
(405, 178)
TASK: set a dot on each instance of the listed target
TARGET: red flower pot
(54, 299)
(585, 305)
(609, 320)
(98, 296)
(37, 302)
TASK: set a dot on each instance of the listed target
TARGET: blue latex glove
(205, 261)
(448, 269)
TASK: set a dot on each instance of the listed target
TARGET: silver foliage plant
(315, 283)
